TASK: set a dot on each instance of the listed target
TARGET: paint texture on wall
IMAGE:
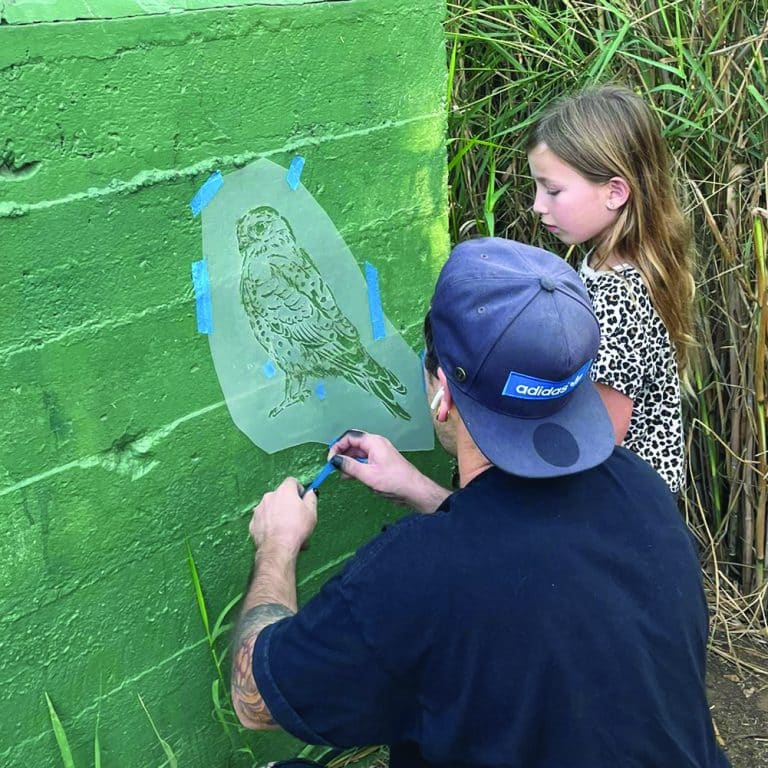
(117, 446)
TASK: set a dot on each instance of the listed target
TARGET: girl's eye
(553, 192)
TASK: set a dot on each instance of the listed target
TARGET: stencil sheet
(292, 342)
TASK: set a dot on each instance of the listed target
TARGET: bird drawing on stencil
(294, 316)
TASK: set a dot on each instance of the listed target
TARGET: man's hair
(430, 358)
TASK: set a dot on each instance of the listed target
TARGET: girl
(603, 177)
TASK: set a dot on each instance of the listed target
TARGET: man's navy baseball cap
(515, 334)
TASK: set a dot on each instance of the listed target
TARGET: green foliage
(702, 67)
(62, 741)
(67, 758)
(170, 756)
(61, 736)
(223, 711)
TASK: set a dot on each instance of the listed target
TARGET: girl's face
(571, 207)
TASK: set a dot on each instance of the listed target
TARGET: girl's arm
(619, 408)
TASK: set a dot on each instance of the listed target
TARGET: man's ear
(446, 403)
(618, 193)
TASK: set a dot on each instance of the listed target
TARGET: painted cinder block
(116, 448)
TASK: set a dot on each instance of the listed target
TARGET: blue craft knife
(324, 473)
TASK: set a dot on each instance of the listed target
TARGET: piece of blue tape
(320, 390)
(374, 302)
(202, 288)
(206, 193)
(293, 177)
(269, 369)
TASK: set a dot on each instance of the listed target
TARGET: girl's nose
(538, 204)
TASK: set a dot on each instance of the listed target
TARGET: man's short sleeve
(621, 358)
(321, 677)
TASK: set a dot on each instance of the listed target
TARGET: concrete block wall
(117, 447)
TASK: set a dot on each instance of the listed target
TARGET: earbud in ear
(436, 399)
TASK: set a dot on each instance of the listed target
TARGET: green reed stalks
(702, 67)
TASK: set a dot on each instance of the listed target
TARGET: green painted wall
(116, 447)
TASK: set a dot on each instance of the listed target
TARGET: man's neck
(471, 461)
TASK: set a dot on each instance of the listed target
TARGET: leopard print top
(637, 358)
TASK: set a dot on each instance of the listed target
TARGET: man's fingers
(290, 483)
(350, 443)
(310, 497)
(348, 466)
(352, 433)
(337, 461)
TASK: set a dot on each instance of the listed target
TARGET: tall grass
(702, 66)
(65, 751)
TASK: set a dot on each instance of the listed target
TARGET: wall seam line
(150, 178)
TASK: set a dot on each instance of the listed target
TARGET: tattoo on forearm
(245, 696)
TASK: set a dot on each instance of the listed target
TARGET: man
(548, 613)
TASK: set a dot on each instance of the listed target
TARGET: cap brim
(578, 437)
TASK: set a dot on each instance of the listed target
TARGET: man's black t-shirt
(527, 623)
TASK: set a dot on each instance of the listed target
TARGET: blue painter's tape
(202, 296)
(206, 193)
(269, 369)
(320, 390)
(374, 302)
(293, 177)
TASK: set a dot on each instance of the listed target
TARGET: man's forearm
(271, 596)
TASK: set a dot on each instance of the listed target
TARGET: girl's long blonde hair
(608, 131)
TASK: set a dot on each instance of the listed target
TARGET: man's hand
(282, 519)
(386, 471)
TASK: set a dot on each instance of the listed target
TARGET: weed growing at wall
(65, 751)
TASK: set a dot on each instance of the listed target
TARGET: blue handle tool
(324, 473)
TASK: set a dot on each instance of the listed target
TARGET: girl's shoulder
(622, 282)
(616, 272)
